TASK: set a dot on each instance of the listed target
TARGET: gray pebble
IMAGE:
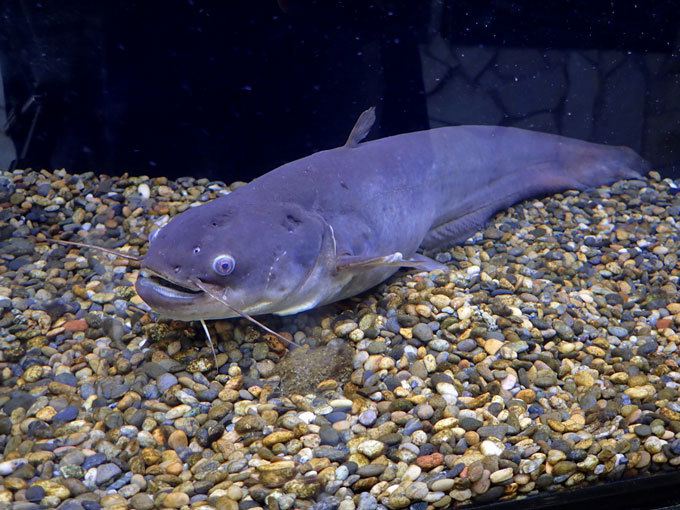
(367, 502)
(422, 332)
(165, 382)
(467, 345)
(469, 423)
(439, 345)
(618, 331)
(106, 473)
(497, 431)
(368, 417)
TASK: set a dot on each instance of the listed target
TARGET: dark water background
(230, 90)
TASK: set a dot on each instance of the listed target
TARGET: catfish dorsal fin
(361, 128)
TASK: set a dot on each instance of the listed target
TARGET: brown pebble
(275, 474)
(178, 439)
(60, 388)
(280, 436)
(471, 437)
(482, 485)
(364, 484)
(475, 471)
(225, 503)
(75, 325)
(176, 500)
(328, 384)
(151, 456)
(664, 323)
(430, 461)
(527, 395)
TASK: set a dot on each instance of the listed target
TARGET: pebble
(501, 475)
(106, 473)
(422, 332)
(491, 447)
(544, 360)
(371, 448)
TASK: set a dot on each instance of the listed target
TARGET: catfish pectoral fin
(419, 261)
(396, 259)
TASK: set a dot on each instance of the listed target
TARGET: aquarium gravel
(545, 359)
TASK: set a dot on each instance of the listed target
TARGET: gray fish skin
(338, 222)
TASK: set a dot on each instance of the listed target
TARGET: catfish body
(338, 222)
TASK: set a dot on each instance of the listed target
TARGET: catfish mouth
(159, 284)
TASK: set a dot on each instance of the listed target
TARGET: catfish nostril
(177, 269)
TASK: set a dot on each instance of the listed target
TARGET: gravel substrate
(545, 359)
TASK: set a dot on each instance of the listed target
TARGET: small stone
(464, 312)
(564, 467)
(497, 431)
(416, 491)
(75, 325)
(178, 439)
(176, 500)
(501, 475)
(583, 378)
(249, 423)
(430, 461)
(643, 430)
(440, 301)
(142, 501)
(106, 473)
(368, 417)
(442, 485)
(276, 473)
(53, 488)
(371, 448)
(422, 332)
(491, 447)
(329, 436)
(654, 444)
(492, 346)
(445, 388)
(280, 436)
(35, 493)
(527, 395)
(469, 423)
(345, 328)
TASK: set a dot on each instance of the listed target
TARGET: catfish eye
(223, 265)
(153, 235)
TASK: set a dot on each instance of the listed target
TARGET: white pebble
(9, 466)
(430, 363)
(341, 472)
(419, 437)
(143, 190)
(307, 417)
(371, 448)
(491, 448)
(509, 382)
(341, 403)
(412, 472)
(464, 312)
(445, 388)
(501, 475)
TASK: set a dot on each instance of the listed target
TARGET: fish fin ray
(396, 259)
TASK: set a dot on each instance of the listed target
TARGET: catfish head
(227, 258)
